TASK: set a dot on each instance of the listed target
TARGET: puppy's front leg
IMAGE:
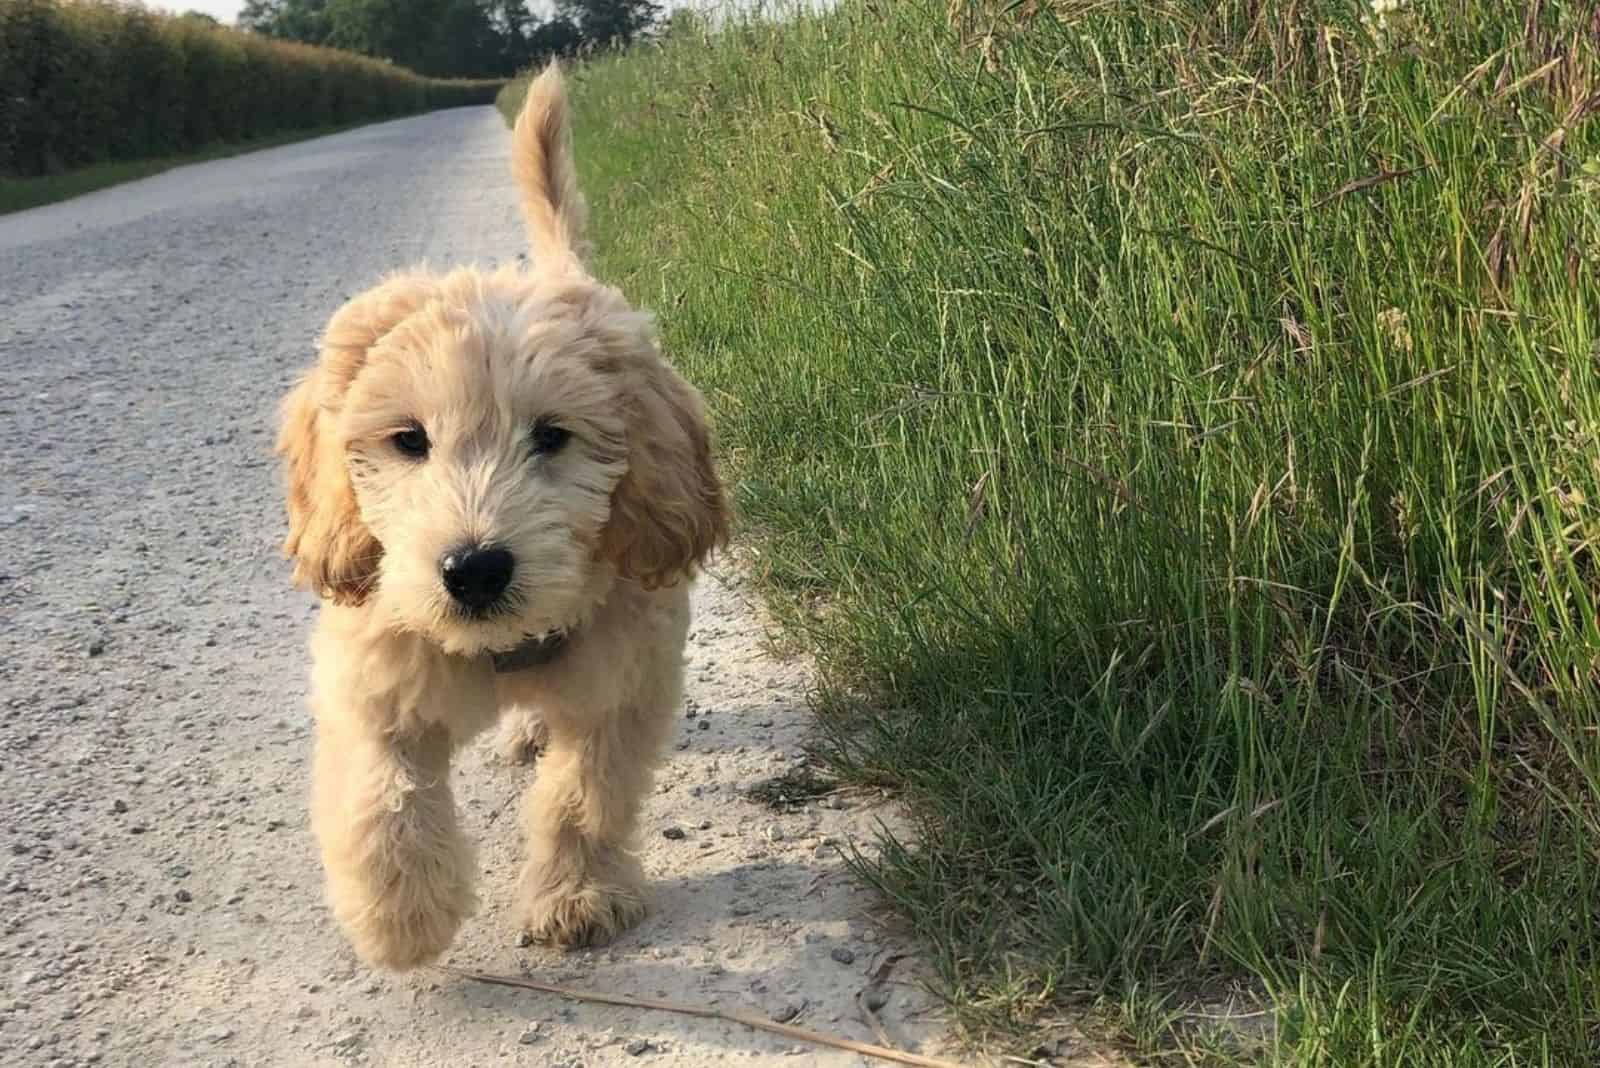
(399, 870)
(582, 885)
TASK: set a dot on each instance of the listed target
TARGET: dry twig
(704, 1012)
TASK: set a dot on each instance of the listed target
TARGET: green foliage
(19, 194)
(610, 23)
(1173, 426)
(448, 37)
(86, 81)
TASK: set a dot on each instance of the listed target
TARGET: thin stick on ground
(759, 1023)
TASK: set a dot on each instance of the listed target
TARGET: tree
(292, 20)
(559, 36)
(610, 23)
(453, 38)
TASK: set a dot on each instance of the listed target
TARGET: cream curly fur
(605, 531)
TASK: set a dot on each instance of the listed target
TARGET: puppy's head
(476, 454)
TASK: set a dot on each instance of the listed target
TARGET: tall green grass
(1173, 424)
(93, 81)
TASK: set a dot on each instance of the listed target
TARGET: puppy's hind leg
(521, 736)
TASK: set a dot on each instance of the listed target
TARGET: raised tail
(547, 181)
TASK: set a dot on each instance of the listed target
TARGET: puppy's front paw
(403, 923)
(571, 910)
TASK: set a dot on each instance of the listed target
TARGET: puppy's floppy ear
(333, 551)
(669, 511)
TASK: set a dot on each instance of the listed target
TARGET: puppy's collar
(533, 652)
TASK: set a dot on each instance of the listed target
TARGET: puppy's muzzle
(477, 576)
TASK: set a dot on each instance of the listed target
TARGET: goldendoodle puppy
(500, 489)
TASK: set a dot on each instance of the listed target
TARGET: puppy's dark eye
(548, 438)
(412, 442)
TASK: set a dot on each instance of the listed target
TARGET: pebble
(637, 1047)
(348, 1042)
(183, 895)
(843, 955)
(219, 1034)
(788, 1012)
(673, 833)
(530, 1034)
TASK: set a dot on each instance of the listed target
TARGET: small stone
(530, 1034)
(637, 1047)
(348, 1042)
(119, 806)
(843, 955)
(705, 825)
(97, 646)
(178, 871)
(673, 834)
(705, 724)
(183, 895)
(219, 1034)
(788, 1012)
(524, 940)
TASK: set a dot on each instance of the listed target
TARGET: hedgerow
(87, 81)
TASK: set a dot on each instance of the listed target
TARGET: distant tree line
(454, 38)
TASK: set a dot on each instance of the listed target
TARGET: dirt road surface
(160, 900)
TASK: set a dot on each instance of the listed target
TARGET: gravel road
(160, 901)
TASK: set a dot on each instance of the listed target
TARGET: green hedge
(84, 81)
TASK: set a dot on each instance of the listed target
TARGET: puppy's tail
(547, 181)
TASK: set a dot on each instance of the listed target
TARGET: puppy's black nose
(476, 575)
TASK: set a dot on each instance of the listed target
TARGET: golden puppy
(498, 487)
